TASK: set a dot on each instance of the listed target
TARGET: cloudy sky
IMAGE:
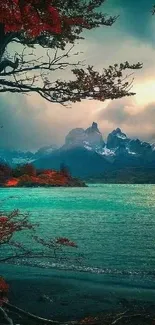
(31, 122)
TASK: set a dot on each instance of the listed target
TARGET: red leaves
(65, 242)
(12, 182)
(3, 220)
(76, 21)
(4, 288)
(10, 15)
(11, 224)
(28, 17)
(89, 320)
(54, 243)
(28, 177)
(34, 17)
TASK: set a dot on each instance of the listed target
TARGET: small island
(28, 176)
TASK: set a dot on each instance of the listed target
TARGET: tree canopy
(52, 26)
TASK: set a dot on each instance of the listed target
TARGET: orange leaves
(12, 182)
(65, 242)
(29, 177)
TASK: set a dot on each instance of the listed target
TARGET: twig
(123, 315)
(35, 317)
(6, 317)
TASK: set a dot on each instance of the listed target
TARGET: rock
(89, 138)
(75, 137)
(94, 136)
(116, 138)
(139, 147)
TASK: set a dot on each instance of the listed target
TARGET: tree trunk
(5, 39)
(2, 41)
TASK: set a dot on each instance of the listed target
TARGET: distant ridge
(87, 154)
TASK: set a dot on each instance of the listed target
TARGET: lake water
(114, 228)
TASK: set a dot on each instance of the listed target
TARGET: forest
(28, 176)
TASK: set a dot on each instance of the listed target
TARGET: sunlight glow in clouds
(145, 92)
(34, 122)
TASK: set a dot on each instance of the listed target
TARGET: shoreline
(72, 295)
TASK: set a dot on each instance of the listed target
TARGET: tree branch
(35, 317)
(7, 63)
(6, 317)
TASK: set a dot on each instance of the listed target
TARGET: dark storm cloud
(22, 126)
(135, 17)
(32, 124)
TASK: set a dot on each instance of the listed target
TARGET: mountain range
(87, 154)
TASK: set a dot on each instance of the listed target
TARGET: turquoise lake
(114, 228)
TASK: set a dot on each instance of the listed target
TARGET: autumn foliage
(4, 288)
(27, 175)
(65, 242)
(52, 25)
(11, 224)
(19, 15)
(33, 17)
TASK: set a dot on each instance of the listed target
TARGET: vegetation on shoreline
(28, 176)
(129, 175)
(52, 248)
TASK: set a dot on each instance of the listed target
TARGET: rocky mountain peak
(119, 133)
(85, 152)
(118, 130)
(90, 138)
(75, 137)
(94, 125)
(116, 139)
(93, 128)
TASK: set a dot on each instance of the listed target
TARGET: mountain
(87, 154)
(90, 138)
(14, 157)
(81, 153)
(82, 162)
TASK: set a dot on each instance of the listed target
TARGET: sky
(30, 122)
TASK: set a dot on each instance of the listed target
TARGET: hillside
(28, 176)
(88, 155)
(132, 175)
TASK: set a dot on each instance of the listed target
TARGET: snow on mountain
(106, 152)
(153, 146)
(13, 157)
(87, 143)
(21, 161)
(130, 152)
(47, 150)
(89, 138)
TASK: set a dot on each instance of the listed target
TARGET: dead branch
(35, 317)
(5, 316)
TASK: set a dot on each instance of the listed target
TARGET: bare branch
(25, 73)
(5, 316)
(35, 317)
